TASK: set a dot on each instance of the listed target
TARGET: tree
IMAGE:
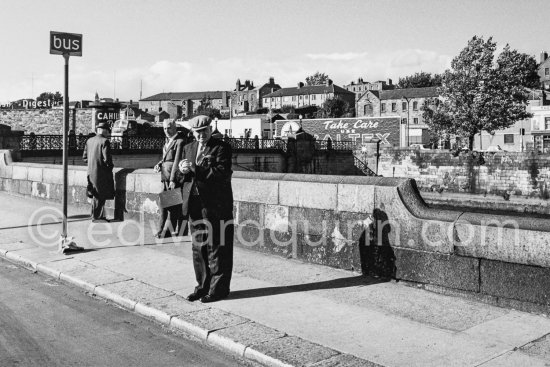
(333, 107)
(478, 94)
(205, 108)
(55, 98)
(317, 79)
(420, 80)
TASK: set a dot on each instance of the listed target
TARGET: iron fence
(148, 144)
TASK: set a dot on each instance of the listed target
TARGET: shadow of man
(377, 255)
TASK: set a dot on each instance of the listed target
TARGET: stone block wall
(506, 174)
(372, 225)
(46, 121)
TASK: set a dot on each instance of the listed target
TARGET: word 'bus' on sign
(65, 43)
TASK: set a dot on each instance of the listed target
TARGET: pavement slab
(525, 329)
(250, 333)
(295, 351)
(515, 359)
(538, 348)
(345, 360)
(212, 319)
(175, 305)
(14, 246)
(135, 290)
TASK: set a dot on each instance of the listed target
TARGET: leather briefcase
(170, 198)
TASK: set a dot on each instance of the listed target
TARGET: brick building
(311, 95)
(361, 86)
(183, 104)
(403, 103)
(248, 98)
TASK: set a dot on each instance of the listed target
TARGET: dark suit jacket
(212, 178)
(97, 154)
(170, 160)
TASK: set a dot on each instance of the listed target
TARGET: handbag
(170, 198)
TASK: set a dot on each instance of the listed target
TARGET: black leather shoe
(194, 297)
(210, 298)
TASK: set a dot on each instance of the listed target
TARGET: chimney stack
(328, 83)
(271, 80)
(390, 82)
(300, 85)
(238, 85)
(543, 56)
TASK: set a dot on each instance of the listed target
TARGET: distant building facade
(184, 104)
(311, 95)
(544, 71)
(403, 103)
(248, 98)
(360, 86)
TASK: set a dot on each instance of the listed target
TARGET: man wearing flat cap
(208, 199)
(97, 154)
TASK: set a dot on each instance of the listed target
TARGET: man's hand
(157, 168)
(172, 185)
(185, 166)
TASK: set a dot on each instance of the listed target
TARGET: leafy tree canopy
(334, 107)
(54, 97)
(480, 93)
(420, 80)
(317, 79)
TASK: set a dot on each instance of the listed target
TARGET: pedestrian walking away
(208, 198)
(101, 185)
(172, 179)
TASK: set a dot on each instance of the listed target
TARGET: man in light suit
(208, 198)
(168, 168)
(97, 154)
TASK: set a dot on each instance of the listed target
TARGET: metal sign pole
(65, 147)
(66, 44)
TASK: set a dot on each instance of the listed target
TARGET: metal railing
(145, 144)
(363, 167)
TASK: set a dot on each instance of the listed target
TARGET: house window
(403, 121)
(404, 106)
(415, 120)
(313, 97)
(546, 71)
(300, 97)
(293, 98)
(393, 107)
(547, 123)
(415, 106)
(508, 138)
(382, 107)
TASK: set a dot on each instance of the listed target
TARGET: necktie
(200, 153)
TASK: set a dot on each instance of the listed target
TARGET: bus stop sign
(65, 44)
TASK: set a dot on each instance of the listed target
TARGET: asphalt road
(44, 322)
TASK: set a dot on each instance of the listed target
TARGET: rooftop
(177, 96)
(309, 89)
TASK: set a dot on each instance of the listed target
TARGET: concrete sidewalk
(280, 311)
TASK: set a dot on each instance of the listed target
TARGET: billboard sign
(358, 130)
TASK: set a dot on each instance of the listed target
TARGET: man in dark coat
(208, 198)
(171, 178)
(97, 154)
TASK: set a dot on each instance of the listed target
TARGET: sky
(133, 46)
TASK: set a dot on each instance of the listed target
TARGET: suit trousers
(173, 215)
(98, 208)
(212, 243)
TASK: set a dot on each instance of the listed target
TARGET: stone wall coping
(406, 189)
